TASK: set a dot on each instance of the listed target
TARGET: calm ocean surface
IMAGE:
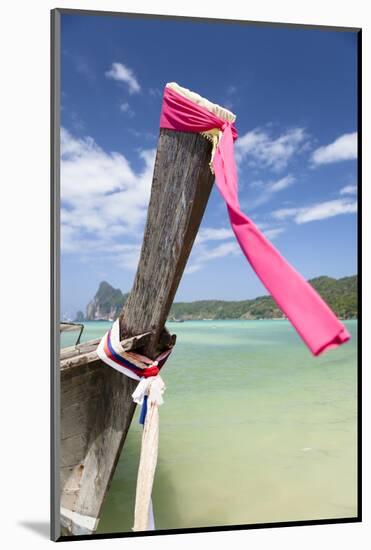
(253, 429)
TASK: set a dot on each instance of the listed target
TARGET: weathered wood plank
(181, 186)
(86, 352)
(70, 327)
(85, 347)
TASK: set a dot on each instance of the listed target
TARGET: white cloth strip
(149, 451)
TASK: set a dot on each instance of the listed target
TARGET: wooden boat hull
(96, 404)
(96, 411)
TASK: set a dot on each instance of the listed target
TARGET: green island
(339, 294)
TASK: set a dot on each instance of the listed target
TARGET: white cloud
(213, 234)
(274, 232)
(104, 206)
(271, 232)
(343, 148)
(319, 211)
(155, 92)
(232, 89)
(349, 190)
(281, 184)
(102, 198)
(201, 254)
(122, 73)
(87, 170)
(205, 250)
(125, 255)
(258, 147)
(84, 67)
(268, 189)
(125, 108)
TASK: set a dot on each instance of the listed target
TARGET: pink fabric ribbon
(309, 314)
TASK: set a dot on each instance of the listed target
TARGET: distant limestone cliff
(106, 304)
(340, 295)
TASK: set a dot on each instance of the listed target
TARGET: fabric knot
(153, 370)
(132, 364)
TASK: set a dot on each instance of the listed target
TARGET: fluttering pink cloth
(309, 314)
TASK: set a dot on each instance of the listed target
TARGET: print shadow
(41, 528)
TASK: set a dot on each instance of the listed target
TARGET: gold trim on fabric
(213, 134)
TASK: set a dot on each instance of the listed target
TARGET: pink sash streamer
(309, 314)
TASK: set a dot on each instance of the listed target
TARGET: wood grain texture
(181, 187)
(87, 352)
(96, 403)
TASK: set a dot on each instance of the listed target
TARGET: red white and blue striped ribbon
(131, 364)
(136, 366)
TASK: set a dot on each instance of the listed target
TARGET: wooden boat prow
(95, 400)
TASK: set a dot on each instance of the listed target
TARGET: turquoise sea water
(253, 429)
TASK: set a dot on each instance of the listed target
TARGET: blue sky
(294, 94)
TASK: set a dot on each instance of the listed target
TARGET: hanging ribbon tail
(151, 518)
(148, 394)
(306, 310)
(152, 389)
(312, 318)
